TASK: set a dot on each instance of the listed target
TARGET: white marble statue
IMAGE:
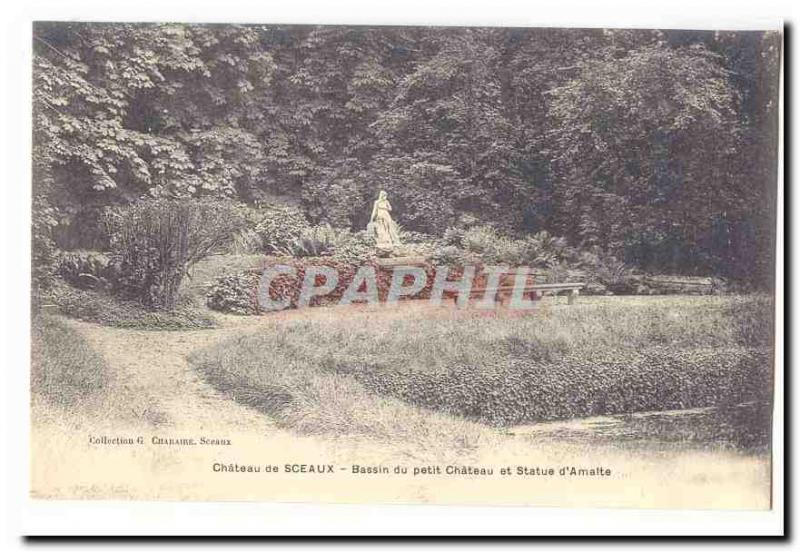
(385, 229)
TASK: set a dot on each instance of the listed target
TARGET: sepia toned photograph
(404, 264)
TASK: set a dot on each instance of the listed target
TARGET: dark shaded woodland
(660, 147)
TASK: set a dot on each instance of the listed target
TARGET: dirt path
(152, 373)
(155, 395)
(154, 381)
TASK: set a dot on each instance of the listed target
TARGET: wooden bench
(573, 289)
(536, 291)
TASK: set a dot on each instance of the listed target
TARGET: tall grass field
(606, 355)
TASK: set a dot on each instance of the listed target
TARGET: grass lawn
(65, 371)
(447, 378)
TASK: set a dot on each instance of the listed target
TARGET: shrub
(609, 272)
(246, 242)
(155, 242)
(418, 238)
(235, 294)
(539, 250)
(316, 241)
(480, 239)
(448, 255)
(239, 293)
(355, 247)
(508, 252)
(64, 368)
(280, 227)
(544, 242)
(557, 272)
(575, 386)
(494, 247)
(337, 243)
(86, 269)
(102, 308)
(453, 236)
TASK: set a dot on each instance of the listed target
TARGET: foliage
(100, 307)
(280, 227)
(86, 269)
(491, 245)
(155, 243)
(416, 238)
(317, 241)
(552, 256)
(235, 294)
(638, 142)
(246, 242)
(354, 248)
(453, 236)
(540, 250)
(125, 109)
(43, 251)
(238, 293)
(614, 274)
(545, 250)
(447, 144)
(327, 241)
(480, 239)
(658, 146)
(448, 255)
(600, 359)
(298, 396)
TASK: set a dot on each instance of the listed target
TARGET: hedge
(516, 391)
(238, 293)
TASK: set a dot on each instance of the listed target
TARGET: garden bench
(504, 291)
(572, 288)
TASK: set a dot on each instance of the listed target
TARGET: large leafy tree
(314, 119)
(447, 146)
(125, 111)
(641, 147)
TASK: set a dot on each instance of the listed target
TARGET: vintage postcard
(404, 264)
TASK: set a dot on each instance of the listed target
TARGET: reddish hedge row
(226, 295)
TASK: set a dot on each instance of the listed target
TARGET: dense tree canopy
(658, 146)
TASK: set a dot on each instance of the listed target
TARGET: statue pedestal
(384, 251)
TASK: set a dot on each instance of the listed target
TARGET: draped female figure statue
(385, 229)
